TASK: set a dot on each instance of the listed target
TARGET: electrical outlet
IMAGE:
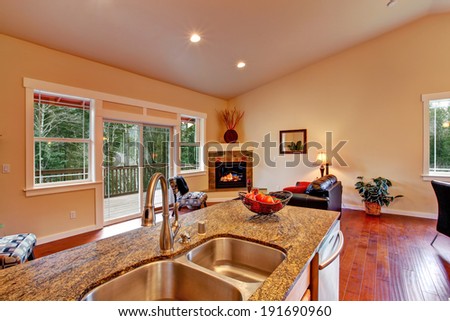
(6, 168)
(73, 215)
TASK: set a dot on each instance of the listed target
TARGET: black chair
(442, 190)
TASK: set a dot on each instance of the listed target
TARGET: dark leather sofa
(323, 193)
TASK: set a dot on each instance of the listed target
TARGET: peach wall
(370, 96)
(49, 215)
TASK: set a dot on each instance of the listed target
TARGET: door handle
(335, 254)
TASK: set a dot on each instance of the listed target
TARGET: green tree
(440, 137)
(53, 121)
(120, 144)
(189, 146)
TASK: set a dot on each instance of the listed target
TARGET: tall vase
(230, 136)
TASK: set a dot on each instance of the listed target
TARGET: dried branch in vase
(231, 117)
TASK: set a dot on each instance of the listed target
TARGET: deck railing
(118, 180)
(123, 180)
(59, 175)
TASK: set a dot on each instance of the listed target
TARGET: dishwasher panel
(328, 275)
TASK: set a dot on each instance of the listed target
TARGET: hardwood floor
(67, 243)
(387, 258)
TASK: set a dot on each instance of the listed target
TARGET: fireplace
(231, 174)
(229, 169)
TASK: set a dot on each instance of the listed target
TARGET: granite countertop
(70, 274)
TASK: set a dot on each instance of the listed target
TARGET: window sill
(441, 177)
(55, 189)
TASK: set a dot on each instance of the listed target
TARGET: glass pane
(156, 142)
(120, 144)
(439, 113)
(60, 121)
(188, 128)
(190, 157)
(156, 151)
(59, 162)
(121, 171)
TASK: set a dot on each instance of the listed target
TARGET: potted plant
(296, 146)
(375, 194)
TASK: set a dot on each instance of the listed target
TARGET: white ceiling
(151, 37)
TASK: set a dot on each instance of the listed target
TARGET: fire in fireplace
(231, 174)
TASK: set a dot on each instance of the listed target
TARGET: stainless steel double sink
(223, 269)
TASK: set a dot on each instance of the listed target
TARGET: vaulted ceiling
(151, 37)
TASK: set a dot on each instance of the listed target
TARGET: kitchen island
(70, 274)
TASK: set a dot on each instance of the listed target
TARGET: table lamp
(322, 158)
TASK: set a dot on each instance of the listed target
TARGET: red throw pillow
(303, 184)
(299, 188)
(294, 189)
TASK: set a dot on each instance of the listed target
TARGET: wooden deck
(126, 205)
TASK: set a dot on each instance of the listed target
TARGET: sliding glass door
(156, 156)
(132, 153)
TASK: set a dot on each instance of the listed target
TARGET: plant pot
(373, 208)
(230, 136)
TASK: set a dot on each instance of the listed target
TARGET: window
(62, 138)
(191, 142)
(437, 135)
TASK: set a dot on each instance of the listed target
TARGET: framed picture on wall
(293, 141)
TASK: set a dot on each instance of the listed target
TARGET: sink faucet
(168, 231)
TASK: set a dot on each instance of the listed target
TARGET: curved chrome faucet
(168, 231)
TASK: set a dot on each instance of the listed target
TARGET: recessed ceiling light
(240, 64)
(195, 37)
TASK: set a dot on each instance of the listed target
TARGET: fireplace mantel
(215, 146)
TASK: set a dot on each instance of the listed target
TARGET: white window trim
(74, 91)
(200, 137)
(100, 114)
(32, 189)
(89, 141)
(426, 175)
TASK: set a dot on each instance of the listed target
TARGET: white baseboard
(59, 236)
(386, 210)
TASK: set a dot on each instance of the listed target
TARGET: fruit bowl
(280, 198)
